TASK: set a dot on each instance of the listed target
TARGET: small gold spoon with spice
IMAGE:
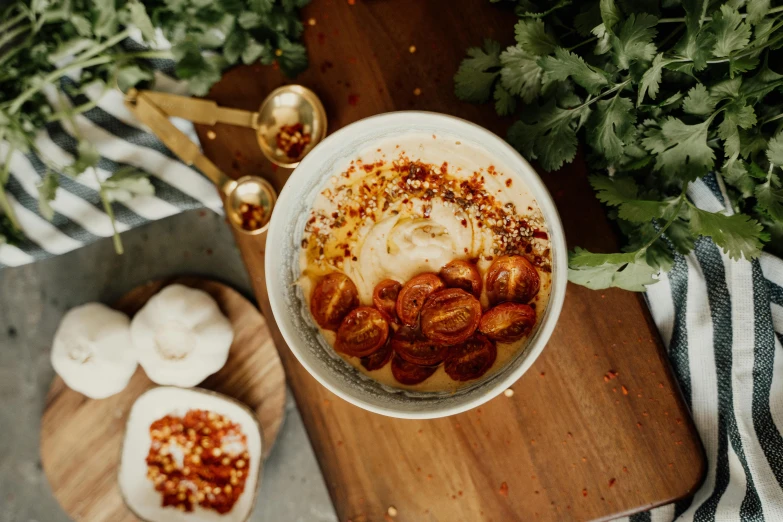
(248, 201)
(290, 122)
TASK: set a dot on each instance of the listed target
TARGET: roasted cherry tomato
(471, 359)
(464, 275)
(362, 332)
(412, 346)
(408, 373)
(384, 297)
(413, 295)
(512, 278)
(450, 316)
(333, 297)
(378, 360)
(508, 322)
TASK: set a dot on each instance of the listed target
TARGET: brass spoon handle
(201, 111)
(147, 112)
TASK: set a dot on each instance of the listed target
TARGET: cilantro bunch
(662, 93)
(71, 46)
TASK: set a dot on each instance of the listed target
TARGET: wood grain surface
(81, 438)
(597, 427)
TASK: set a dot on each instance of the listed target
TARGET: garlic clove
(92, 350)
(181, 337)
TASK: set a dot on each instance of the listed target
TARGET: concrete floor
(32, 300)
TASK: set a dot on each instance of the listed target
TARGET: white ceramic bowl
(286, 229)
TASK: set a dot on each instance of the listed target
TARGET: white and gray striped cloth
(121, 141)
(722, 322)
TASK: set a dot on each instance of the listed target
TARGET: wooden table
(574, 441)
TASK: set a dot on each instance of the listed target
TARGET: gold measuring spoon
(291, 117)
(248, 201)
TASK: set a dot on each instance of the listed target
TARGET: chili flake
(252, 216)
(293, 139)
(199, 459)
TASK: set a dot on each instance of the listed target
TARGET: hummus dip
(412, 206)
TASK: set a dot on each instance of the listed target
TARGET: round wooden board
(81, 437)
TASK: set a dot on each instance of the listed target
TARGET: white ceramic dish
(286, 229)
(138, 491)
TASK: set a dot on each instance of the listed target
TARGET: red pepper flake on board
(584, 492)
(503, 489)
(199, 459)
(611, 482)
(353, 99)
(625, 390)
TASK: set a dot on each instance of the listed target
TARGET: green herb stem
(111, 42)
(10, 35)
(773, 118)
(109, 212)
(12, 22)
(577, 46)
(162, 55)
(603, 94)
(4, 203)
(54, 76)
(709, 18)
(663, 229)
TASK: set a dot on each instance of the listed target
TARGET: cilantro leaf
(130, 75)
(474, 79)
(698, 101)
(610, 15)
(235, 45)
(569, 65)
(694, 13)
(47, 189)
(532, 37)
(735, 116)
(756, 10)
(644, 211)
(680, 235)
(732, 33)
(549, 136)
(293, 57)
(629, 271)
(127, 183)
(681, 149)
(770, 200)
(614, 191)
(505, 103)
(651, 78)
(86, 157)
(521, 74)
(735, 173)
(697, 48)
(738, 235)
(775, 150)
(634, 43)
(726, 89)
(139, 18)
(609, 124)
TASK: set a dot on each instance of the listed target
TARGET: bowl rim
(532, 181)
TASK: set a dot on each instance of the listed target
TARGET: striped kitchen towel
(722, 322)
(121, 141)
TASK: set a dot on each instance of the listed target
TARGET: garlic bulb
(92, 350)
(181, 337)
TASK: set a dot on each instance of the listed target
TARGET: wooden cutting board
(597, 427)
(81, 438)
